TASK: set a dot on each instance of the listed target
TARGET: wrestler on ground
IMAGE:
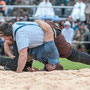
(26, 37)
(65, 49)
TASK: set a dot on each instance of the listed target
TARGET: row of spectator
(71, 30)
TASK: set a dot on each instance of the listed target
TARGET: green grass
(66, 63)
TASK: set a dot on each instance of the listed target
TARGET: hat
(67, 23)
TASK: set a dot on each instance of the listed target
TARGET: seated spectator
(41, 11)
(25, 18)
(68, 32)
(18, 19)
(77, 25)
(61, 24)
(79, 11)
(80, 36)
(2, 9)
(7, 18)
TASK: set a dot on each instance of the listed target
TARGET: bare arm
(22, 60)
(8, 49)
(47, 30)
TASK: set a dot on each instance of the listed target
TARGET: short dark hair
(6, 29)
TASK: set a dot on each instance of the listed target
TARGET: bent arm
(47, 30)
(43, 25)
(22, 60)
(8, 49)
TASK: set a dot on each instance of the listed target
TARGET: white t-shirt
(30, 35)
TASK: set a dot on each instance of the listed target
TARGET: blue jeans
(45, 53)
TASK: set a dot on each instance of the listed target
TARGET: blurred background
(72, 16)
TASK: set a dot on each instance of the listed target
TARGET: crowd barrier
(32, 9)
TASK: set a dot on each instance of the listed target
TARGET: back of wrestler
(29, 35)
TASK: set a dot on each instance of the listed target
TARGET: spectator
(68, 32)
(79, 11)
(80, 36)
(18, 19)
(81, 32)
(71, 21)
(7, 19)
(25, 18)
(44, 11)
(2, 9)
(61, 24)
(77, 25)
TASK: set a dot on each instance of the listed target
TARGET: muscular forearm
(43, 25)
(21, 63)
(22, 60)
(47, 30)
(8, 49)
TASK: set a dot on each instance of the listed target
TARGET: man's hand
(12, 56)
(32, 69)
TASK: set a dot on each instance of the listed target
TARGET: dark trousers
(75, 56)
(12, 64)
(78, 56)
